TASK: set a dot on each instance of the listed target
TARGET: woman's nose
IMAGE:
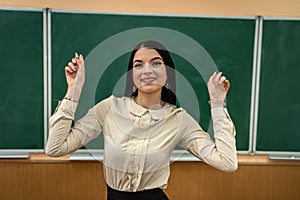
(148, 69)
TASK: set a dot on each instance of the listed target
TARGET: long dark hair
(168, 91)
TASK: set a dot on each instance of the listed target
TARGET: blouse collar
(156, 114)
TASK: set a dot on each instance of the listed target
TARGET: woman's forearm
(62, 139)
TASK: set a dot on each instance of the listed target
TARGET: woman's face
(149, 71)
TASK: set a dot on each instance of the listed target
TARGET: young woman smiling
(142, 128)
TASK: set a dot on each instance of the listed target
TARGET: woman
(141, 129)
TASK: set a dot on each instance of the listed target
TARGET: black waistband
(152, 194)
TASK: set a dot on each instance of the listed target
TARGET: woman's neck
(149, 101)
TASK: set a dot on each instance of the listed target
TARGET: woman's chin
(150, 88)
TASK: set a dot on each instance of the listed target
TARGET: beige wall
(287, 8)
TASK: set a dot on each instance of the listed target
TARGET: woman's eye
(138, 65)
(156, 64)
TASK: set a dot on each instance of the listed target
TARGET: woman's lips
(148, 80)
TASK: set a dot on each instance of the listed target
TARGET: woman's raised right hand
(75, 75)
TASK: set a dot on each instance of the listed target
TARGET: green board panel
(21, 80)
(198, 46)
(279, 97)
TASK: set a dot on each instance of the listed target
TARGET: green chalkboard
(279, 98)
(199, 46)
(21, 80)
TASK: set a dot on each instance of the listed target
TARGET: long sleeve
(221, 153)
(64, 139)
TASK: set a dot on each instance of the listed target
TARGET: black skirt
(153, 194)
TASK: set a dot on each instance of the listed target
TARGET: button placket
(137, 147)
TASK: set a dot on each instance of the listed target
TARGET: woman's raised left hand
(218, 87)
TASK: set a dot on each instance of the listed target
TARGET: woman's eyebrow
(156, 58)
(137, 61)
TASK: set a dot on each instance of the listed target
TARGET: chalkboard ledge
(242, 160)
(41, 157)
(264, 160)
(38, 157)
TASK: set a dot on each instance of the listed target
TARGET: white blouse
(138, 142)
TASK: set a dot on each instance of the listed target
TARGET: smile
(148, 80)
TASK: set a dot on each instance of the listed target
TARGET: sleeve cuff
(68, 105)
(219, 112)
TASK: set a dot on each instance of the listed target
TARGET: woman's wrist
(70, 99)
(216, 103)
(72, 94)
